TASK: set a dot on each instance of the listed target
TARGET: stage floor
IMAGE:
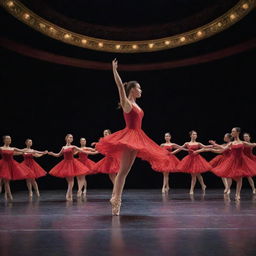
(150, 224)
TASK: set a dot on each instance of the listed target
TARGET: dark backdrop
(44, 101)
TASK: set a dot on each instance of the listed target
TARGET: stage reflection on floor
(150, 224)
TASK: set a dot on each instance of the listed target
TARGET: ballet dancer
(38, 171)
(108, 164)
(174, 161)
(237, 165)
(69, 167)
(11, 169)
(131, 141)
(194, 163)
(83, 158)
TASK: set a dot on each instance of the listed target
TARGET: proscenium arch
(232, 16)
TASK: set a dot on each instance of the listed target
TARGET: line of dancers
(235, 159)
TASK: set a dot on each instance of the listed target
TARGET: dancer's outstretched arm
(124, 101)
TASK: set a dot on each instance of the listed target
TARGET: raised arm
(124, 101)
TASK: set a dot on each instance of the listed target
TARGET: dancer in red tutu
(248, 148)
(237, 165)
(9, 168)
(69, 167)
(38, 171)
(130, 142)
(193, 163)
(83, 158)
(108, 164)
(174, 161)
(223, 154)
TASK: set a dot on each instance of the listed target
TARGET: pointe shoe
(228, 192)
(79, 194)
(69, 197)
(191, 192)
(37, 193)
(237, 197)
(116, 204)
(204, 188)
(254, 191)
(8, 196)
(0, 189)
(84, 193)
(30, 194)
(225, 190)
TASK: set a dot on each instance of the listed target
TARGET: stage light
(67, 36)
(182, 39)
(42, 25)
(245, 6)
(100, 44)
(232, 16)
(26, 16)
(167, 42)
(118, 46)
(151, 45)
(135, 46)
(219, 24)
(84, 41)
(199, 33)
(10, 4)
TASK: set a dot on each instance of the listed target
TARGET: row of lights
(68, 36)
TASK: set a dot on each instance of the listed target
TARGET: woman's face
(167, 137)
(106, 133)
(247, 137)
(226, 138)
(136, 91)
(69, 139)
(83, 142)
(7, 140)
(194, 135)
(234, 133)
(29, 143)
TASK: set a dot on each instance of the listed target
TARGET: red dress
(248, 152)
(69, 166)
(107, 164)
(174, 161)
(193, 163)
(217, 160)
(38, 171)
(236, 165)
(132, 137)
(11, 169)
(83, 158)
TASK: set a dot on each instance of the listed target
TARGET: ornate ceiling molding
(232, 16)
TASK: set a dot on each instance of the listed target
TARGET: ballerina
(194, 163)
(168, 145)
(237, 165)
(11, 169)
(69, 167)
(38, 171)
(83, 158)
(131, 141)
(108, 164)
(223, 154)
(248, 147)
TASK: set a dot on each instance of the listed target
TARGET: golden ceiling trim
(232, 16)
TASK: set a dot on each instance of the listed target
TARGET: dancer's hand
(114, 64)
(45, 152)
(213, 142)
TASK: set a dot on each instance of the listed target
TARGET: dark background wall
(44, 101)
